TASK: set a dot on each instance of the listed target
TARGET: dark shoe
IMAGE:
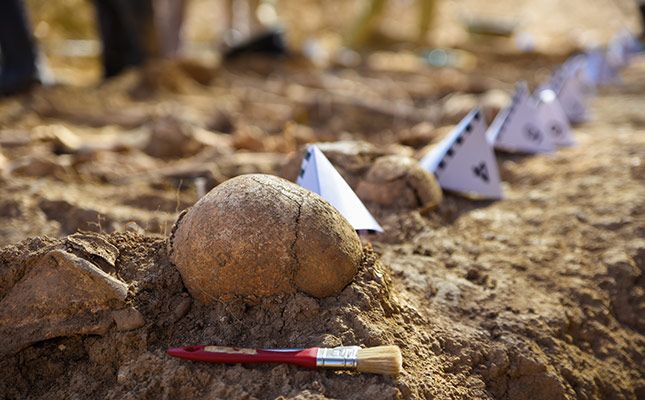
(13, 83)
(270, 43)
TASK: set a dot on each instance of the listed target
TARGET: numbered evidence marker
(318, 175)
(597, 69)
(630, 43)
(568, 84)
(465, 162)
(577, 65)
(554, 120)
(603, 65)
(622, 48)
(518, 128)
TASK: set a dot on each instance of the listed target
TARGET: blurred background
(66, 30)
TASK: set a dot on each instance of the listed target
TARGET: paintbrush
(384, 360)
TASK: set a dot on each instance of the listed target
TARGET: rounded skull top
(400, 182)
(259, 235)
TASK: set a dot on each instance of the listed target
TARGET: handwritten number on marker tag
(533, 133)
(481, 171)
(556, 129)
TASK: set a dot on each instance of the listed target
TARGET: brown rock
(170, 137)
(128, 319)
(63, 140)
(418, 136)
(240, 163)
(200, 72)
(260, 235)
(182, 308)
(299, 134)
(92, 246)
(60, 295)
(249, 137)
(220, 121)
(399, 182)
(40, 166)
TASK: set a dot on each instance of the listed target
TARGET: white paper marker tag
(570, 89)
(318, 175)
(518, 127)
(616, 54)
(554, 120)
(465, 162)
(598, 70)
(630, 43)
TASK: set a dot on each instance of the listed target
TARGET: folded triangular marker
(595, 68)
(318, 175)
(569, 84)
(554, 120)
(598, 69)
(631, 43)
(518, 128)
(465, 162)
(622, 48)
(617, 54)
(577, 66)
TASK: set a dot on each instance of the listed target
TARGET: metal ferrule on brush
(343, 357)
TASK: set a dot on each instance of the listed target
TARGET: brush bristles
(384, 360)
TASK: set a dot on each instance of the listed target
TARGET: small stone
(128, 319)
(220, 121)
(63, 140)
(93, 246)
(419, 135)
(39, 166)
(132, 226)
(170, 137)
(122, 376)
(182, 308)
(249, 137)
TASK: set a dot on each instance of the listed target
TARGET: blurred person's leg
(242, 21)
(255, 25)
(140, 16)
(18, 69)
(169, 17)
(427, 11)
(641, 8)
(260, 38)
(229, 34)
(127, 32)
(367, 22)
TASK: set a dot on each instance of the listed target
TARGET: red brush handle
(233, 355)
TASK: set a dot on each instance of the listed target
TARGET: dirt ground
(538, 296)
